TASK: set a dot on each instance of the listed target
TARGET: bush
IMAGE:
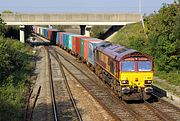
(16, 65)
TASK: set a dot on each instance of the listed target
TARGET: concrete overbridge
(85, 20)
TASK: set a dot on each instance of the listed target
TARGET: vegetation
(7, 11)
(160, 39)
(15, 67)
(1, 27)
(97, 31)
(13, 31)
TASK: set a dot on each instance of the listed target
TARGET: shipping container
(57, 38)
(49, 34)
(92, 44)
(61, 38)
(46, 33)
(52, 36)
(64, 35)
(67, 40)
(70, 40)
(41, 31)
(86, 52)
(37, 30)
(82, 47)
(77, 40)
(74, 42)
(86, 41)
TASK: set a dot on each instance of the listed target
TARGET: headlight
(125, 81)
(148, 81)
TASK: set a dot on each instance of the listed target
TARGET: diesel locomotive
(128, 72)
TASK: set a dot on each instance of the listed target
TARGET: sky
(81, 6)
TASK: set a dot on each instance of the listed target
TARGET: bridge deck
(71, 19)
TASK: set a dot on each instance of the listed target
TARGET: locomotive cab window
(128, 66)
(144, 66)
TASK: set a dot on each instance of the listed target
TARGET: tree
(97, 31)
(176, 30)
(2, 24)
(7, 11)
(162, 42)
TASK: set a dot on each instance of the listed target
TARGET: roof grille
(122, 50)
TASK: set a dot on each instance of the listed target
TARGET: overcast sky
(56, 6)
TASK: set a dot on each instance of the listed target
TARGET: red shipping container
(86, 41)
(49, 34)
(61, 37)
(74, 42)
(86, 46)
(78, 43)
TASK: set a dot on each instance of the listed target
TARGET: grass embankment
(16, 65)
(133, 36)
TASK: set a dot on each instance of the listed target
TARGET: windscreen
(128, 66)
(144, 66)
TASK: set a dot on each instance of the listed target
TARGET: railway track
(52, 88)
(156, 110)
(63, 103)
(165, 109)
(147, 112)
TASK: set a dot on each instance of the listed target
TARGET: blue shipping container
(46, 33)
(69, 40)
(91, 46)
(64, 39)
(57, 38)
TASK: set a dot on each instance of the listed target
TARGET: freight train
(128, 72)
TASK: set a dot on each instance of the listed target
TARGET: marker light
(148, 81)
(125, 81)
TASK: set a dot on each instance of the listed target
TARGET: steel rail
(157, 111)
(67, 86)
(52, 87)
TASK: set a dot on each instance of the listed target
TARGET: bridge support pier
(22, 33)
(85, 30)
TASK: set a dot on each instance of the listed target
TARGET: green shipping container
(82, 48)
(43, 31)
